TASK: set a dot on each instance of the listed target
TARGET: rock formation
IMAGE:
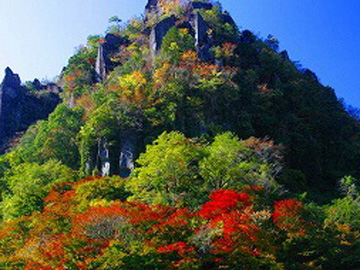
(126, 160)
(20, 107)
(109, 47)
(200, 5)
(151, 8)
(158, 33)
(104, 157)
(203, 41)
(100, 66)
(195, 23)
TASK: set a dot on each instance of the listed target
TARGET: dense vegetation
(244, 161)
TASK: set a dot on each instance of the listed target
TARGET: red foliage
(222, 202)
(224, 225)
(286, 208)
(181, 248)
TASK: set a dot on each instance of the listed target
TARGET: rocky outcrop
(203, 41)
(200, 5)
(104, 157)
(100, 66)
(48, 87)
(20, 107)
(158, 33)
(127, 157)
(115, 157)
(151, 8)
(195, 23)
(108, 48)
(285, 55)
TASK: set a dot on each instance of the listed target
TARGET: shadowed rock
(104, 157)
(285, 55)
(151, 8)
(202, 40)
(19, 108)
(126, 161)
(158, 33)
(111, 45)
(200, 5)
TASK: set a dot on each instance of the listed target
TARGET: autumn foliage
(62, 237)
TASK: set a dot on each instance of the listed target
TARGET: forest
(183, 142)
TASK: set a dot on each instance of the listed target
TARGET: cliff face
(20, 107)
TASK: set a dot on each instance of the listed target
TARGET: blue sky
(38, 36)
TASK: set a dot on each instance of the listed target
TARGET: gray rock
(203, 42)
(104, 157)
(19, 108)
(111, 46)
(201, 30)
(126, 160)
(158, 33)
(100, 66)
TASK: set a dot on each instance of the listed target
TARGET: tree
(168, 172)
(117, 21)
(28, 184)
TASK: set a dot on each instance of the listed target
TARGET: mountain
(258, 92)
(197, 146)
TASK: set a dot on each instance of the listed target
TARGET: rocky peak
(19, 108)
(200, 5)
(11, 79)
(151, 6)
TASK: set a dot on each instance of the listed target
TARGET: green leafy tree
(175, 43)
(168, 172)
(28, 184)
(231, 163)
(55, 138)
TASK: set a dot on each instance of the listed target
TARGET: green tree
(175, 43)
(28, 184)
(168, 172)
(55, 138)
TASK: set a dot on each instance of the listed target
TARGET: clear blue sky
(38, 36)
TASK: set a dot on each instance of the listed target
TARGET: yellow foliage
(169, 6)
(133, 88)
(133, 81)
(160, 75)
(190, 57)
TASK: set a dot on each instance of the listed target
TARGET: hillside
(198, 146)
